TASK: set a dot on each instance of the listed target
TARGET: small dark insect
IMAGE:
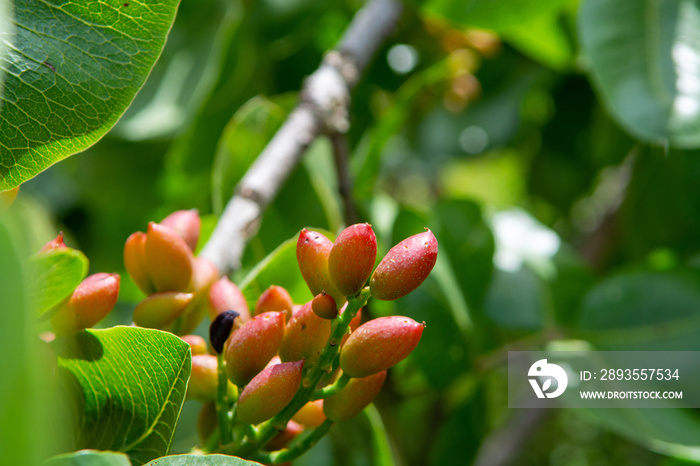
(126, 4)
(49, 65)
(220, 329)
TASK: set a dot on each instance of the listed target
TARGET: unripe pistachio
(207, 421)
(269, 392)
(352, 258)
(204, 379)
(313, 250)
(160, 310)
(274, 299)
(204, 274)
(198, 345)
(135, 262)
(275, 360)
(305, 337)
(354, 397)
(47, 336)
(56, 243)
(186, 224)
(90, 303)
(168, 259)
(324, 306)
(224, 295)
(379, 344)
(221, 328)
(311, 414)
(252, 346)
(404, 267)
(281, 440)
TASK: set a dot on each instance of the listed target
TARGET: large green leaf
(7, 29)
(643, 310)
(72, 70)
(56, 274)
(123, 389)
(89, 458)
(201, 460)
(645, 59)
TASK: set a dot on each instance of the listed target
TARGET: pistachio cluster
(301, 367)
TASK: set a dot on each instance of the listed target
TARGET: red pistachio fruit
(274, 299)
(404, 267)
(160, 310)
(252, 346)
(313, 250)
(168, 259)
(90, 303)
(305, 337)
(324, 306)
(379, 344)
(281, 440)
(269, 392)
(354, 397)
(224, 296)
(186, 224)
(204, 379)
(352, 258)
(135, 262)
(56, 243)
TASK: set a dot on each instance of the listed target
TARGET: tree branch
(323, 108)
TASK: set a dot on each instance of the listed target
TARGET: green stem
(331, 390)
(222, 402)
(298, 447)
(268, 429)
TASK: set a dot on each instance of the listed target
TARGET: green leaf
(123, 389)
(7, 29)
(244, 137)
(186, 71)
(56, 274)
(514, 299)
(89, 458)
(544, 39)
(644, 59)
(644, 310)
(73, 69)
(201, 460)
(380, 437)
(279, 268)
(492, 14)
(24, 404)
(673, 432)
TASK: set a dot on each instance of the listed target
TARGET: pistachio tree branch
(322, 109)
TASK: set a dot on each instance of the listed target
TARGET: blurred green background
(566, 205)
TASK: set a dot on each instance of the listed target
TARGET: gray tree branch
(323, 108)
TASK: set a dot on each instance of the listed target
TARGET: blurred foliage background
(563, 222)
